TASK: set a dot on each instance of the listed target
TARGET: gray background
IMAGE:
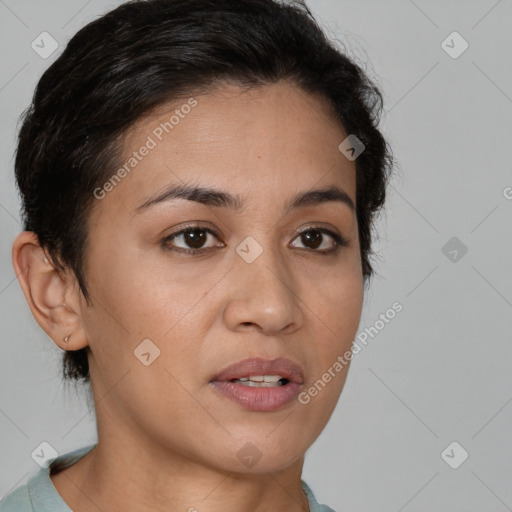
(440, 370)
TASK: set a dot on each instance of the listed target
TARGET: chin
(263, 453)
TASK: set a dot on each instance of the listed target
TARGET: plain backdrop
(439, 372)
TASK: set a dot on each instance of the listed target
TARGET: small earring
(66, 339)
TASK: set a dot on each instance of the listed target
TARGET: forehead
(260, 142)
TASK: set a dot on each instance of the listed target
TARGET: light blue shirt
(40, 495)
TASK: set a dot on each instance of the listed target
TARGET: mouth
(260, 385)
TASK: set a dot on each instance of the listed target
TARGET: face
(183, 289)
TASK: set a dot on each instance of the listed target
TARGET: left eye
(313, 239)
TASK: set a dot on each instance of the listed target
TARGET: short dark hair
(144, 54)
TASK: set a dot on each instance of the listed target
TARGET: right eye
(192, 238)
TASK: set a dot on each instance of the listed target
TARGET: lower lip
(258, 399)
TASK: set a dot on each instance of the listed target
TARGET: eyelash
(339, 240)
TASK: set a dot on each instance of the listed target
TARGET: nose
(263, 295)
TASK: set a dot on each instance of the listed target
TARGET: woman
(199, 182)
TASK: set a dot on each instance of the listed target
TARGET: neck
(108, 479)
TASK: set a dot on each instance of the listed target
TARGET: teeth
(262, 378)
(252, 384)
(265, 381)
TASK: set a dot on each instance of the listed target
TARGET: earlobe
(53, 297)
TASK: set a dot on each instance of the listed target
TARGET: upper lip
(259, 366)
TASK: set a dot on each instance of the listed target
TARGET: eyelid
(318, 226)
(324, 228)
(195, 225)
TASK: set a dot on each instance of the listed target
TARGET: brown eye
(195, 238)
(315, 237)
(312, 239)
(190, 240)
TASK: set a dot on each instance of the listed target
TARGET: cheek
(136, 300)
(137, 296)
(338, 305)
(339, 300)
(336, 317)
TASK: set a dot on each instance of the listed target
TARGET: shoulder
(17, 501)
(314, 506)
(39, 493)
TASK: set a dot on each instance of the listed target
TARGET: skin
(208, 311)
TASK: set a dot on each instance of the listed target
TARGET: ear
(53, 299)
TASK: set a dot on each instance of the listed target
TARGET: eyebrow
(221, 199)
